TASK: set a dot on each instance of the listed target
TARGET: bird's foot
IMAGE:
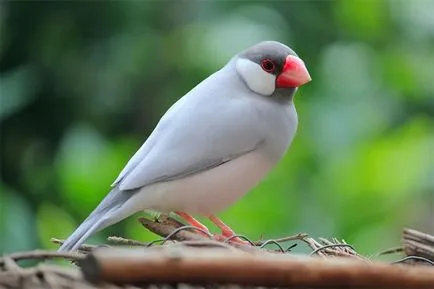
(203, 230)
(227, 234)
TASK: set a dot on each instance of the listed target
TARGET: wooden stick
(175, 264)
(418, 244)
(166, 225)
(41, 255)
(123, 241)
(84, 248)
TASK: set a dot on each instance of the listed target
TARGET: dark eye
(268, 65)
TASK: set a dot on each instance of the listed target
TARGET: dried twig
(417, 259)
(123, 241)
(390, 251)
(209, 244)
(299, 236)
(165, 226)
(418, 244)
(84, 248)
(9, 264)
(41, 255)
(45, 276)
(331, 248)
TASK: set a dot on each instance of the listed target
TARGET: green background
(84, 83)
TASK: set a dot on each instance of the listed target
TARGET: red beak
(294, 73)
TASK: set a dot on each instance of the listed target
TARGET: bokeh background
(84, 83)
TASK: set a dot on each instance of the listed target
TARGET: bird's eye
(268, 65)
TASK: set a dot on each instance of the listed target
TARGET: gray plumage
(217, 122)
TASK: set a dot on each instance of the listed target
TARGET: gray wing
(197, 133)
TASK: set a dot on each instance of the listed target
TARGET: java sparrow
(212, 146)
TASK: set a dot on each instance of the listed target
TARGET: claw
(227, 232)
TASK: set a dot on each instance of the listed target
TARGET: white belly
(204, 193)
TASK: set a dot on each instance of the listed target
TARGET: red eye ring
(268, 65)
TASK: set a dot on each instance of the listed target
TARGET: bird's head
(270, 68)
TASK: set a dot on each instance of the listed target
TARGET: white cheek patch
(256, 79)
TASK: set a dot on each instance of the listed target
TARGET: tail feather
(84, 231)
(104, 215)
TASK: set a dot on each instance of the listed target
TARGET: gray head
(272, 69)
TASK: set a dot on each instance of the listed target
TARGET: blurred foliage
(83, 84)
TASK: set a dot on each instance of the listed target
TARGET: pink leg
(226, 230)
(192, 221)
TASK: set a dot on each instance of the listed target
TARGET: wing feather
(205, 128)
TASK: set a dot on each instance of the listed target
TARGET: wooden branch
(128, 242)
(167, 225)
(41, 255)
(390, 251)
(209, 244)
(45, 276)
(325, 248)
(418, 244)
(299, 236)
(85, 248)
(175, 264)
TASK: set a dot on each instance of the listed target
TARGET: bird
(212, 146)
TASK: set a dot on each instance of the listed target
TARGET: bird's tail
(108, 212)
(84, 231)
